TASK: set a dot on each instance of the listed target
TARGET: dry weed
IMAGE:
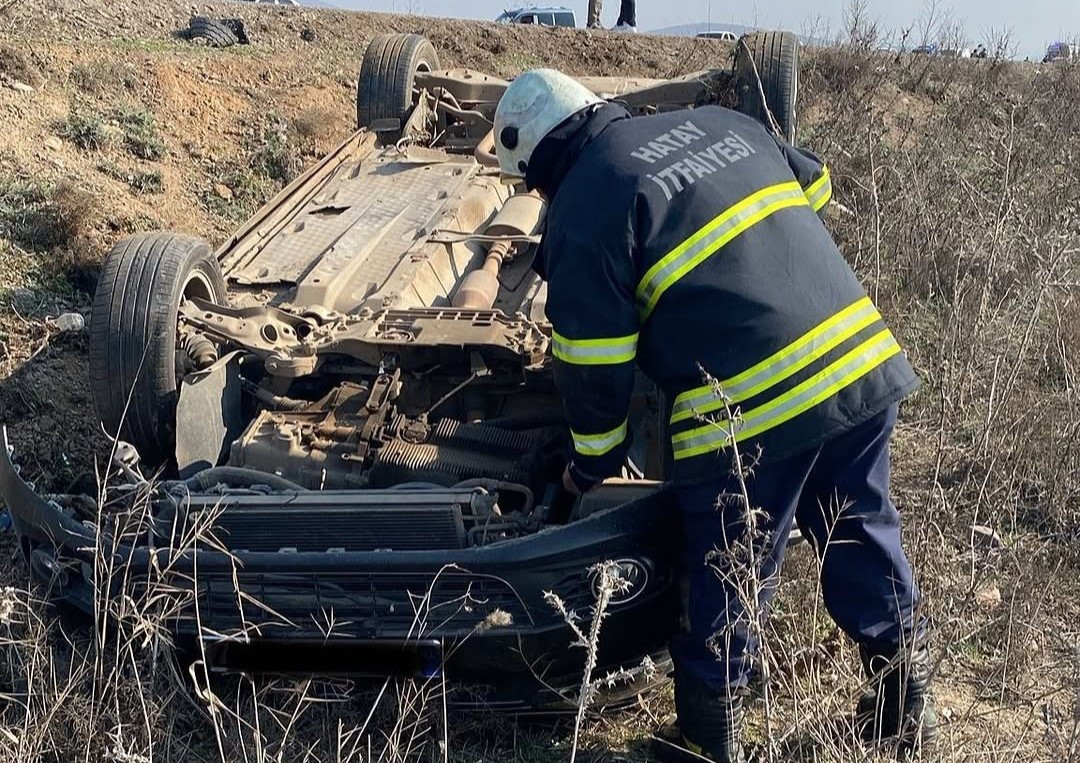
(318, 127)
(16, 65)
(102, 77)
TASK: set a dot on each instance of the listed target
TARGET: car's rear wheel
(133, 335)
(384, 91)
(774, 58)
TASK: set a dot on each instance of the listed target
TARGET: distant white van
(723, 34)
(548, 16)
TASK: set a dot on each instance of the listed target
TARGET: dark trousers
(627, 13)
(838, 494)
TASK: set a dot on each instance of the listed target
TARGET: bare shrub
(318, 124)
(101, 77)
(40, 217)
(15, 64)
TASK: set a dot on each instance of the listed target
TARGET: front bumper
(483, 609)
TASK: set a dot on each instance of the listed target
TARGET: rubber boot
(898, 706)
(709, 724)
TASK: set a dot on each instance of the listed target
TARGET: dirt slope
(957, 205)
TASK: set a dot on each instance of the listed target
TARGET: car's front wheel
(133, 335)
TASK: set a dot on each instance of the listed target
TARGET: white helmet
(536, 103)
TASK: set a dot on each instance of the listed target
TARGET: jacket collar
(560, 149)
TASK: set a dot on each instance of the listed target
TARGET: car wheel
(774, 57)
(216, 34)
(133, 335)
(384, 90)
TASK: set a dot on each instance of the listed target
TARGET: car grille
(577, 595)
(412, 529)
(388, 605)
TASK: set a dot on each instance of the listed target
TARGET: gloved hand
(576, 481)
(568, 482)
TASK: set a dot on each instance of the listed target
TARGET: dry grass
(17, 65)
(42, 218)
(318, 127)
(103, 77)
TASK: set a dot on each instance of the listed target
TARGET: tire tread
(776, 56)
(384, 87)
(214, 32)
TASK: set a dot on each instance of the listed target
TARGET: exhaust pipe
(521, 215)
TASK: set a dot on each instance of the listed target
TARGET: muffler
(521, 215)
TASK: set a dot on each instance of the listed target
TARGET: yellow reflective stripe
(592, 352)
(714, 235)
(598, 444)
(815, 390)
(820, 191)
(796, 356)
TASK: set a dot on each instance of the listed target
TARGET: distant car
(724, 35)
(1061, 51)
(546, 16)
(933, 49)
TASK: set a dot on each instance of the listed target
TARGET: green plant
(84, 128)
(139, 181)
(237, 192)
(275, 156)
(141, 138)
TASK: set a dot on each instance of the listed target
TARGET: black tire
(133, 335)
(384, 89)
(236, 26)
(215, 33)
(775, 55)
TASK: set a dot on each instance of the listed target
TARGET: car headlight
(629, 577)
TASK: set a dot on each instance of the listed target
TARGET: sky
(1034, 23)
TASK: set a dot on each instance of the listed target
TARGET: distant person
(595, 6)
(627, 17)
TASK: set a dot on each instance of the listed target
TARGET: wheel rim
(422, 67)
(196, 286)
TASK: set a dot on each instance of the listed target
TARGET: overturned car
(341, 430)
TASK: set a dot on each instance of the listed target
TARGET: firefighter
(689, 243)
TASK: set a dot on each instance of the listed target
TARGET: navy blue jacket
(689, 242)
